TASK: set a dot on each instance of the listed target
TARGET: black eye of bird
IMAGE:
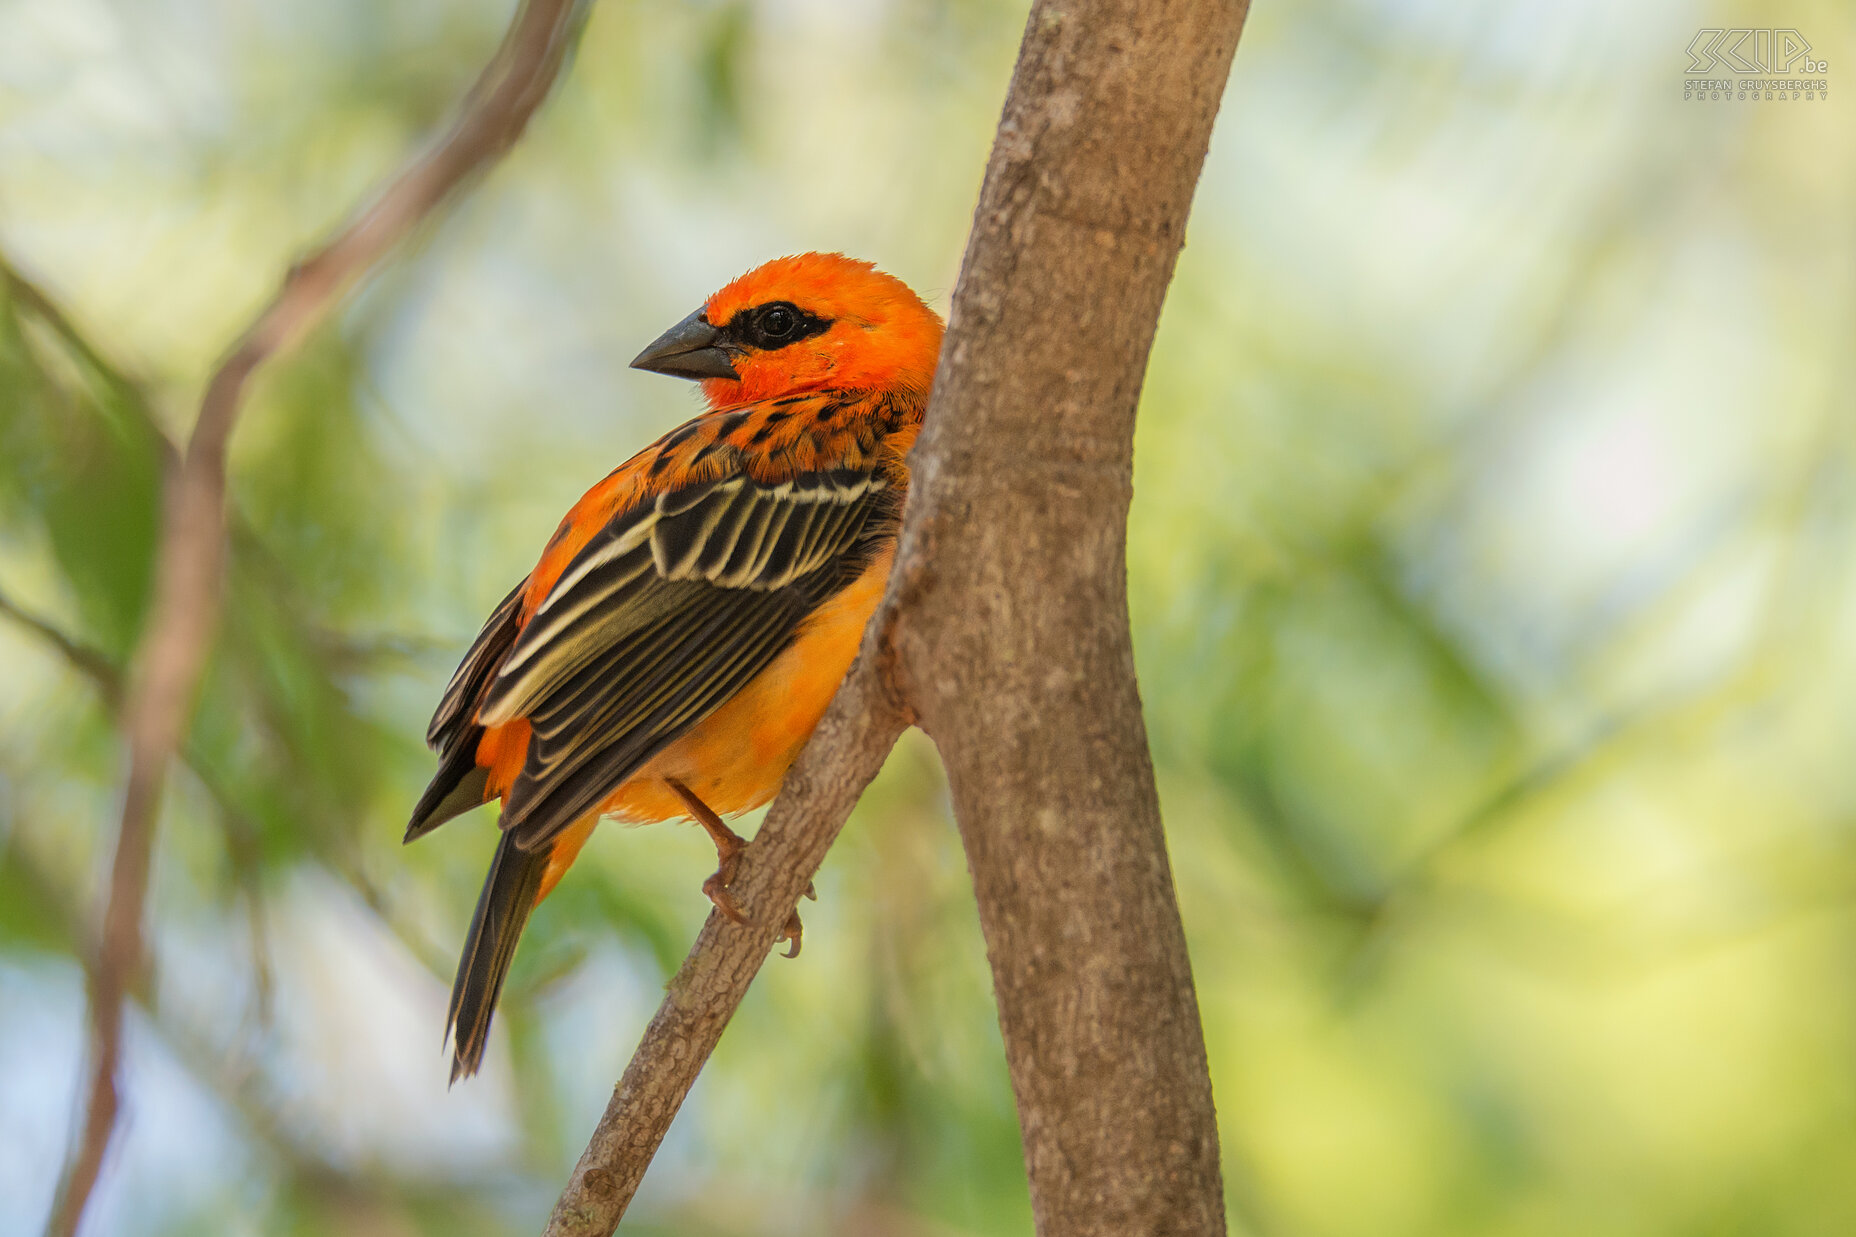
(778, 322)
(773, 325)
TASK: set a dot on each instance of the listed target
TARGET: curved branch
(845, 753)
(189, 560)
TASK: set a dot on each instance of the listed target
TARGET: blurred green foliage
(1490, 564)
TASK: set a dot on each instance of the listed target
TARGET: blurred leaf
(28, 915)
(84, 461)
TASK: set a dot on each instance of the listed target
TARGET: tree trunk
(1013, 645)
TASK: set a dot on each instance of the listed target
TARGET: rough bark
(1015, 651)
(1005, 632)
(190, 558)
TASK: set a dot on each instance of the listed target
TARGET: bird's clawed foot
(793, 930)
(728, 848)
(716, 887)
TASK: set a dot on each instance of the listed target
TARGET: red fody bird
(693, 615)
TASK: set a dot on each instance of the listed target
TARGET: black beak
(687, 350)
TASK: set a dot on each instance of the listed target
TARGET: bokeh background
(1492, 571)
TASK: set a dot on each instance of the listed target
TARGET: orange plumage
(696, 610)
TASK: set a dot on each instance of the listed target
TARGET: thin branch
(241, 832)
(845, 753)
(189, 562)
(340, 651)
(93, 663)
(207, 1062)
(231, 1078)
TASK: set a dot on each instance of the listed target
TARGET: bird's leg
(728, 848)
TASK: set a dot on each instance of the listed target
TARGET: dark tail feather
(502, 909)
(456, 788)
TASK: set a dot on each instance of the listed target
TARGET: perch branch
(189, 560)
(846, 751)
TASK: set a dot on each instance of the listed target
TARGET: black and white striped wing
(459, 785)
(457, 708)
(671, 609)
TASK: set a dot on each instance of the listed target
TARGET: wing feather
(663, 616)
(554, 789)
(485, 655)
(459, 785)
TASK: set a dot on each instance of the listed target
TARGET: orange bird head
(798, 324)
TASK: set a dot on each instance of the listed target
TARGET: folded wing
(668, 611)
